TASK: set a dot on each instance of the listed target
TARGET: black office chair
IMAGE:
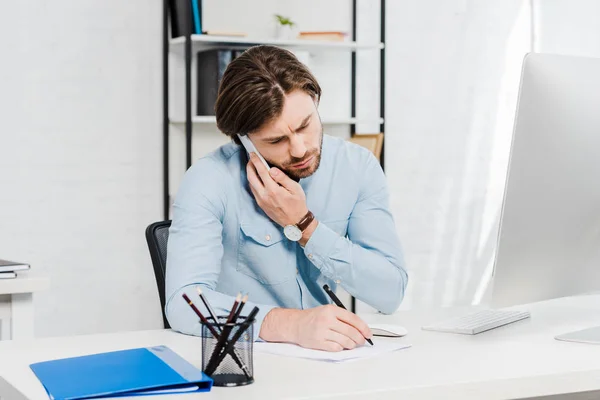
(157, 235)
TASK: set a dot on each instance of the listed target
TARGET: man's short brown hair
(251, 93)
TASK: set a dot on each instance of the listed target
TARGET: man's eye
(275, 141)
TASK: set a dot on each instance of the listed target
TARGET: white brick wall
(80, 144)
(453, 71)
(570, 27)
(80, 164)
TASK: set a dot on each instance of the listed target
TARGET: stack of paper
(366, 351)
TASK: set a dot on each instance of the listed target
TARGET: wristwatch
(294, 232)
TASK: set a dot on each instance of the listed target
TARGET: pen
(339, 304)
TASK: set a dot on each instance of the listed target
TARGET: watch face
(292, 233)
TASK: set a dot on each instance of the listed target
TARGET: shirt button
(297, 272)
(268, 237)
(310, 256)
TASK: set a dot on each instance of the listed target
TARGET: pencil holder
(228, 360)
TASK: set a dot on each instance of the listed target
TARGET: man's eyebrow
(303, 124)
(275, 138)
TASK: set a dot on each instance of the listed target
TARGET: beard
(296, 173)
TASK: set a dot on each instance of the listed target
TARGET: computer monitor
(549, 237)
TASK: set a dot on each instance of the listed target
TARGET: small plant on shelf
(284, 28)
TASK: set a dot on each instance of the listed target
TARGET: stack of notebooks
(8, 269)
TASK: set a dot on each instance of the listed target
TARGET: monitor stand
(590, 335)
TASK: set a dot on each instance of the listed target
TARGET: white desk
(16, 306)
(516, 361)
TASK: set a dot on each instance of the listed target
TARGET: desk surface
(23, 284)
(515, 361)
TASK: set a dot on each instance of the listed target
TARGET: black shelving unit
(187, 53)
(381, 89)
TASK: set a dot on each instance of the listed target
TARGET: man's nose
(297, 146)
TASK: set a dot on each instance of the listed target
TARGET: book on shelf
(197, 12)
(12, 266)
(211, 66)
(334, 36)
(186, 17)
(8, 275)
(224, 33)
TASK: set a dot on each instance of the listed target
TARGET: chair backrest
(157, 236)
(372, 141)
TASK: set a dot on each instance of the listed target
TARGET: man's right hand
(329, 328)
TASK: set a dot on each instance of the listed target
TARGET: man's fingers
(255, 194)
(255, 182)
(353, 320)
(342, 340)
(349, 331)
(284, 180)
(263, 173)
(332, 346)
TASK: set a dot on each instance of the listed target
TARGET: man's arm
(369, 264)
(327, 327)
(195, 249)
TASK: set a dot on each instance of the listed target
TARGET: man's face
(293, 141)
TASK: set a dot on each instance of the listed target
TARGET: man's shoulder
(215, 168)
(348, 153)
(220, 161)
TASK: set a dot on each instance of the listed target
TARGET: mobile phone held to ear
(247, 143)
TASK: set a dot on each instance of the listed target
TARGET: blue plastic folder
(142, 371)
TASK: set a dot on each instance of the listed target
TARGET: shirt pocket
(264, 252)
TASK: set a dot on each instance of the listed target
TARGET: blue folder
(140, 371)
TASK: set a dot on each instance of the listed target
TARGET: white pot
(284, 32)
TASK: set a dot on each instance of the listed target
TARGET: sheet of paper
(366, 351)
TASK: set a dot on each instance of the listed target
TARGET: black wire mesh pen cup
(235, 367)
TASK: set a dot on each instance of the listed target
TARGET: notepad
(366, 351)
(132, 372)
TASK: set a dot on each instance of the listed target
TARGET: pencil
(239, 310)
(208, 307)
(339, 303)
(202, 317)
(234, 307)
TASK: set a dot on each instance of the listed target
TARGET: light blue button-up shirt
(221, 241)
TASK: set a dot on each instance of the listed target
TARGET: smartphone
(247, 143)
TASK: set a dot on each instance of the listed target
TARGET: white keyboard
(478, 322)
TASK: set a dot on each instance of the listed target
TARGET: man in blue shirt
(319, 216)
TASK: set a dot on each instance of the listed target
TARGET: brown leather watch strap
(305, 222)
